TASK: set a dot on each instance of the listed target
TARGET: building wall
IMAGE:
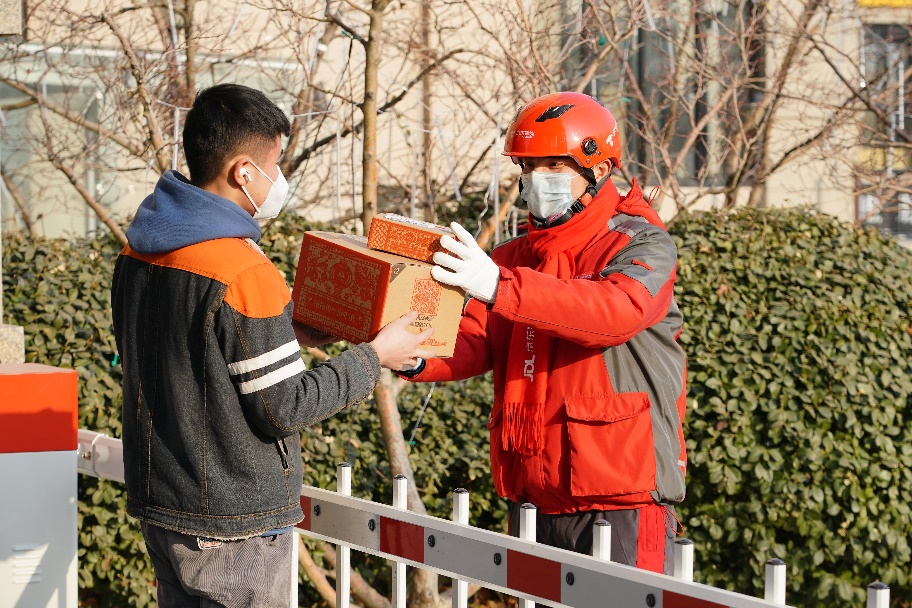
(475, 92)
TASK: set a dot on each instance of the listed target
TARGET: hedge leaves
(798, 332)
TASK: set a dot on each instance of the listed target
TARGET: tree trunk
(315, 574)
(423, 591)
(427, 122)
(189, 93)
(755, 198)
(369, 112)
(393, 440)
(18, 202)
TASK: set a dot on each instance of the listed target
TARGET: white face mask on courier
(547, 195)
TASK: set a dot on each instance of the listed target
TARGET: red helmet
(565, 124)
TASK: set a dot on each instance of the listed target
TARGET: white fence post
(343, 554)
(684, 559)
(601, 540)
(527, 514)
(878, 595)
(400, 501)
(293, 592)
(460, 516)
(775, 581)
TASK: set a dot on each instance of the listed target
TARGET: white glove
(473, 270)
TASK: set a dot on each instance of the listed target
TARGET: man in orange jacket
(578, 320)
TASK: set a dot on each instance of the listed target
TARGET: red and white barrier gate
(528, 570)
(38, 479)
(519, 567)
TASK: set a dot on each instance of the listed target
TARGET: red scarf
(528, 363)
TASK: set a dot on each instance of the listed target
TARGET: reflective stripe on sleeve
(273, 356)
(273, 377)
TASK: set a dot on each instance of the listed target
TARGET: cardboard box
(345, 288)
(404, 236)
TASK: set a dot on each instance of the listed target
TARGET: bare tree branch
(315, 574)
(17, 105)
(364, 593)
(93, 204)
(18, 202)
(154, 129)
(349, 129)
(74, 117)
(493, 224)
(334, 18)
(855, 93)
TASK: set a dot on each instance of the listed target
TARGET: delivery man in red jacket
(578, 320)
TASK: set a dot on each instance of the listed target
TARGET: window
(885, 60)
(679, 72)
(892, 217)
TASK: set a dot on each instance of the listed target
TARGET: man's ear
(240, 172)
(602, 170)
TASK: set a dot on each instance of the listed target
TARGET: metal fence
(518, 566)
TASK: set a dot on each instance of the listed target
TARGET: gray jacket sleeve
(278, 394)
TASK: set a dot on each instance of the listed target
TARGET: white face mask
(547, 195)
(275, 198)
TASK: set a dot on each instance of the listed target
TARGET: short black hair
(224, 120)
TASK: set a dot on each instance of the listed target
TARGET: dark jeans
(208, 573)
(635, 541)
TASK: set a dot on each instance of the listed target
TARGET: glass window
(893, 216)
(682, 69)
(885, 61)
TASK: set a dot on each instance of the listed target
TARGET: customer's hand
(399, 348)
(311, 336)
(472, 269)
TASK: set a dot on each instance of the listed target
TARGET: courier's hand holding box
(407, 237)
(351, 291)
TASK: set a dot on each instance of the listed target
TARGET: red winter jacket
(615, 401)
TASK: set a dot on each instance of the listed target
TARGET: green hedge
(799, 344)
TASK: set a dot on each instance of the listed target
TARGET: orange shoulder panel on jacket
(259, 292)
(219, 259)
(255, 287)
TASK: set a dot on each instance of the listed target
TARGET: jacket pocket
(612, 451)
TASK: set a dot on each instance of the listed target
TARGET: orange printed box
(351, 291)
(404, 236)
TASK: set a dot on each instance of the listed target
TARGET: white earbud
(246, 175)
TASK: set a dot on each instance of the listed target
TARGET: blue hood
(178, 214)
